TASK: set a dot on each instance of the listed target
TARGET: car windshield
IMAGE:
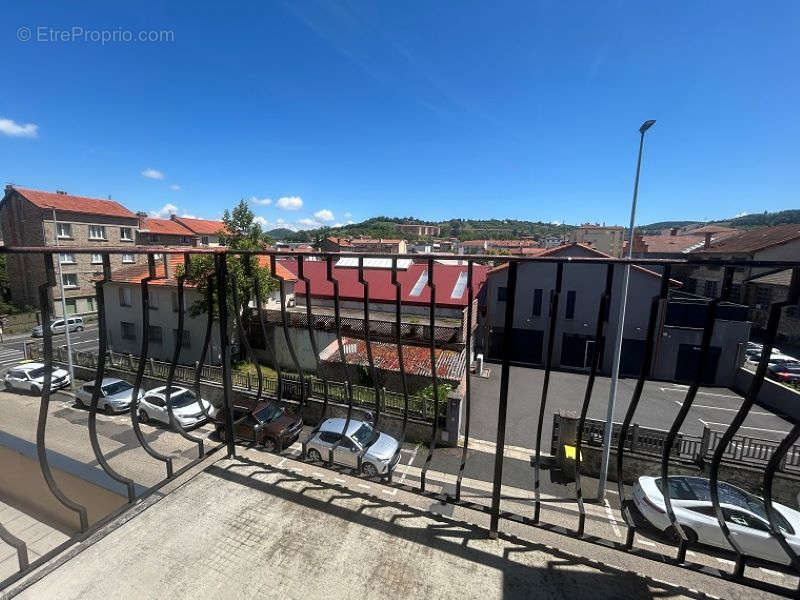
(181, 397)
(117, 387)
(269, 413)
(696, 488)
(38, 372)
(363, 435)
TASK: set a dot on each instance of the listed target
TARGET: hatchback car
(381, 454)
(29, 377)
(184, 403)
(115, 395)
(58, 326)
(268, 424)
(745, 514)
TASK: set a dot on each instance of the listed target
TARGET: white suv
(57, 326)
(29, 377)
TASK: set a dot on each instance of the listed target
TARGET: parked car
(29, 377)
(786, 373)
(115, 395)
(185, 408)
(57, 326)
(268, 424)
(379, 459)
(744, 513)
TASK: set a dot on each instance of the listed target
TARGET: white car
(185, 408)
(744, 513)
(29, 377)
(57, 326)
(115, 395)
(381, 455)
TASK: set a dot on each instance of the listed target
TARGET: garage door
(689, 358)
(630, 361)
(576, 349)
(526, 345)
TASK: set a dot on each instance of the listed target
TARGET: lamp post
(63, 307)
(612, 394)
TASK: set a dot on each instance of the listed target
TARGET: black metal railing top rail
(219, 317)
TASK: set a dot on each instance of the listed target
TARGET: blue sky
(466, 109)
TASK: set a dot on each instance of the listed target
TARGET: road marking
(391, 492)
(611, 519)
(726, 425)
(338, 480)
(363, 485)
(280, 464)
(517, 452)
(410, 461)
(752, 412)
(664, 389)
(724, 561)
(317, 474)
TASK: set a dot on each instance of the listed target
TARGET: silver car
(57, 326)
(115, 395)
(29, 377)
(380, 457)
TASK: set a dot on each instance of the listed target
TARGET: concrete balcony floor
(266, 526)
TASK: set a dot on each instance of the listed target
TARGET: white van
(57, 326)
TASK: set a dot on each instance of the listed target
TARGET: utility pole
(63, 308)
(612, 394)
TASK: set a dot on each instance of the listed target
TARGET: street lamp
(612, 394)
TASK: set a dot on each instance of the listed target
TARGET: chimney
(707, 242)
(61, 192)
(673, 231)
(141, 214)
(172, 216)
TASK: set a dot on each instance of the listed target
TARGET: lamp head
(647, 125)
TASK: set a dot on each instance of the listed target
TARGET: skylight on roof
(460, 286)
(373, 263)
(421, 283)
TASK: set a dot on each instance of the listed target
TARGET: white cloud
(307, 223)
(11, 128)
(280, 221)
(743, 214)
(337, 225)
(261, 201)
(347, 215)
(555, 222)
(324, 215)
(350, 221)
(165, 211)
(151, 173)
(175, 187)
(262, 221)
(290, 203)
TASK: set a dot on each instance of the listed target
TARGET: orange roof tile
(76, 204)
(165, 226)
(200, 226)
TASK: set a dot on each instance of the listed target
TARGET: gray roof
(336, 425)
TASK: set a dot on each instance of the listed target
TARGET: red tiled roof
(670, 243)
(339, 241)
(280, 270)
(751, 240)
(165, 226)
(381, 289)
(370, 242)
(708, 229)
(416, 359)
(76, 204)
(200, 226)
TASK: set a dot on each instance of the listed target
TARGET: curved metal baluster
(769, 474)
(365, 285)
(221, 269)
(647, 361)
(338, 323)
(752, 394)
(398, 324)
(206, 344)
(468, 391)
(102, 349)
(174, 423)
(289, 344)
(551, 334)
(268, 344)
(434, 376)
(137, 384)
(599, 344)
(311, 336)
(16, 543)
(41, 427)
(705, 344)
(245, 339)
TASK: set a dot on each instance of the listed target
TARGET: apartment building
(164, 232)
(38, 218)
(206, 231)
(605, 239)
(419, 230)
(377, 246)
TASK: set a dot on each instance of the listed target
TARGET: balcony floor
(274, 528)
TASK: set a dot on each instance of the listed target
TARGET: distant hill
(280, 233)
(784, 217)
(666, 225)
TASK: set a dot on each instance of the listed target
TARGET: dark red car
(268, 424)
(786, 373)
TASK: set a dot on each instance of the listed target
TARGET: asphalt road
(12, 349)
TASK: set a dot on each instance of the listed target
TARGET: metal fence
(216, 286)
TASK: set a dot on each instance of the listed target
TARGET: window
(187, 338)
(128, 330)
(72, 306)
(64, 230)
(125, 233)
(329, 437)
(570, 311)
(154, 334)
(97, 232)
(537, 303)
(502, 293)
(128, 258)
(90, 304)
(156, 401)
(66, 258)
(152, 300)
(70, 280)
(97, 259)
(710, 289)
(125, 296)
(204, 240)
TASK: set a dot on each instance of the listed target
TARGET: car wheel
(35, 389)
(269, 445)
(221, 434)
(314, 455)
(108, 409)
(143, 417)
(368, 470)
(673, 535)
(79, 402)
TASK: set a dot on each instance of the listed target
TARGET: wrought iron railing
(328, 393)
